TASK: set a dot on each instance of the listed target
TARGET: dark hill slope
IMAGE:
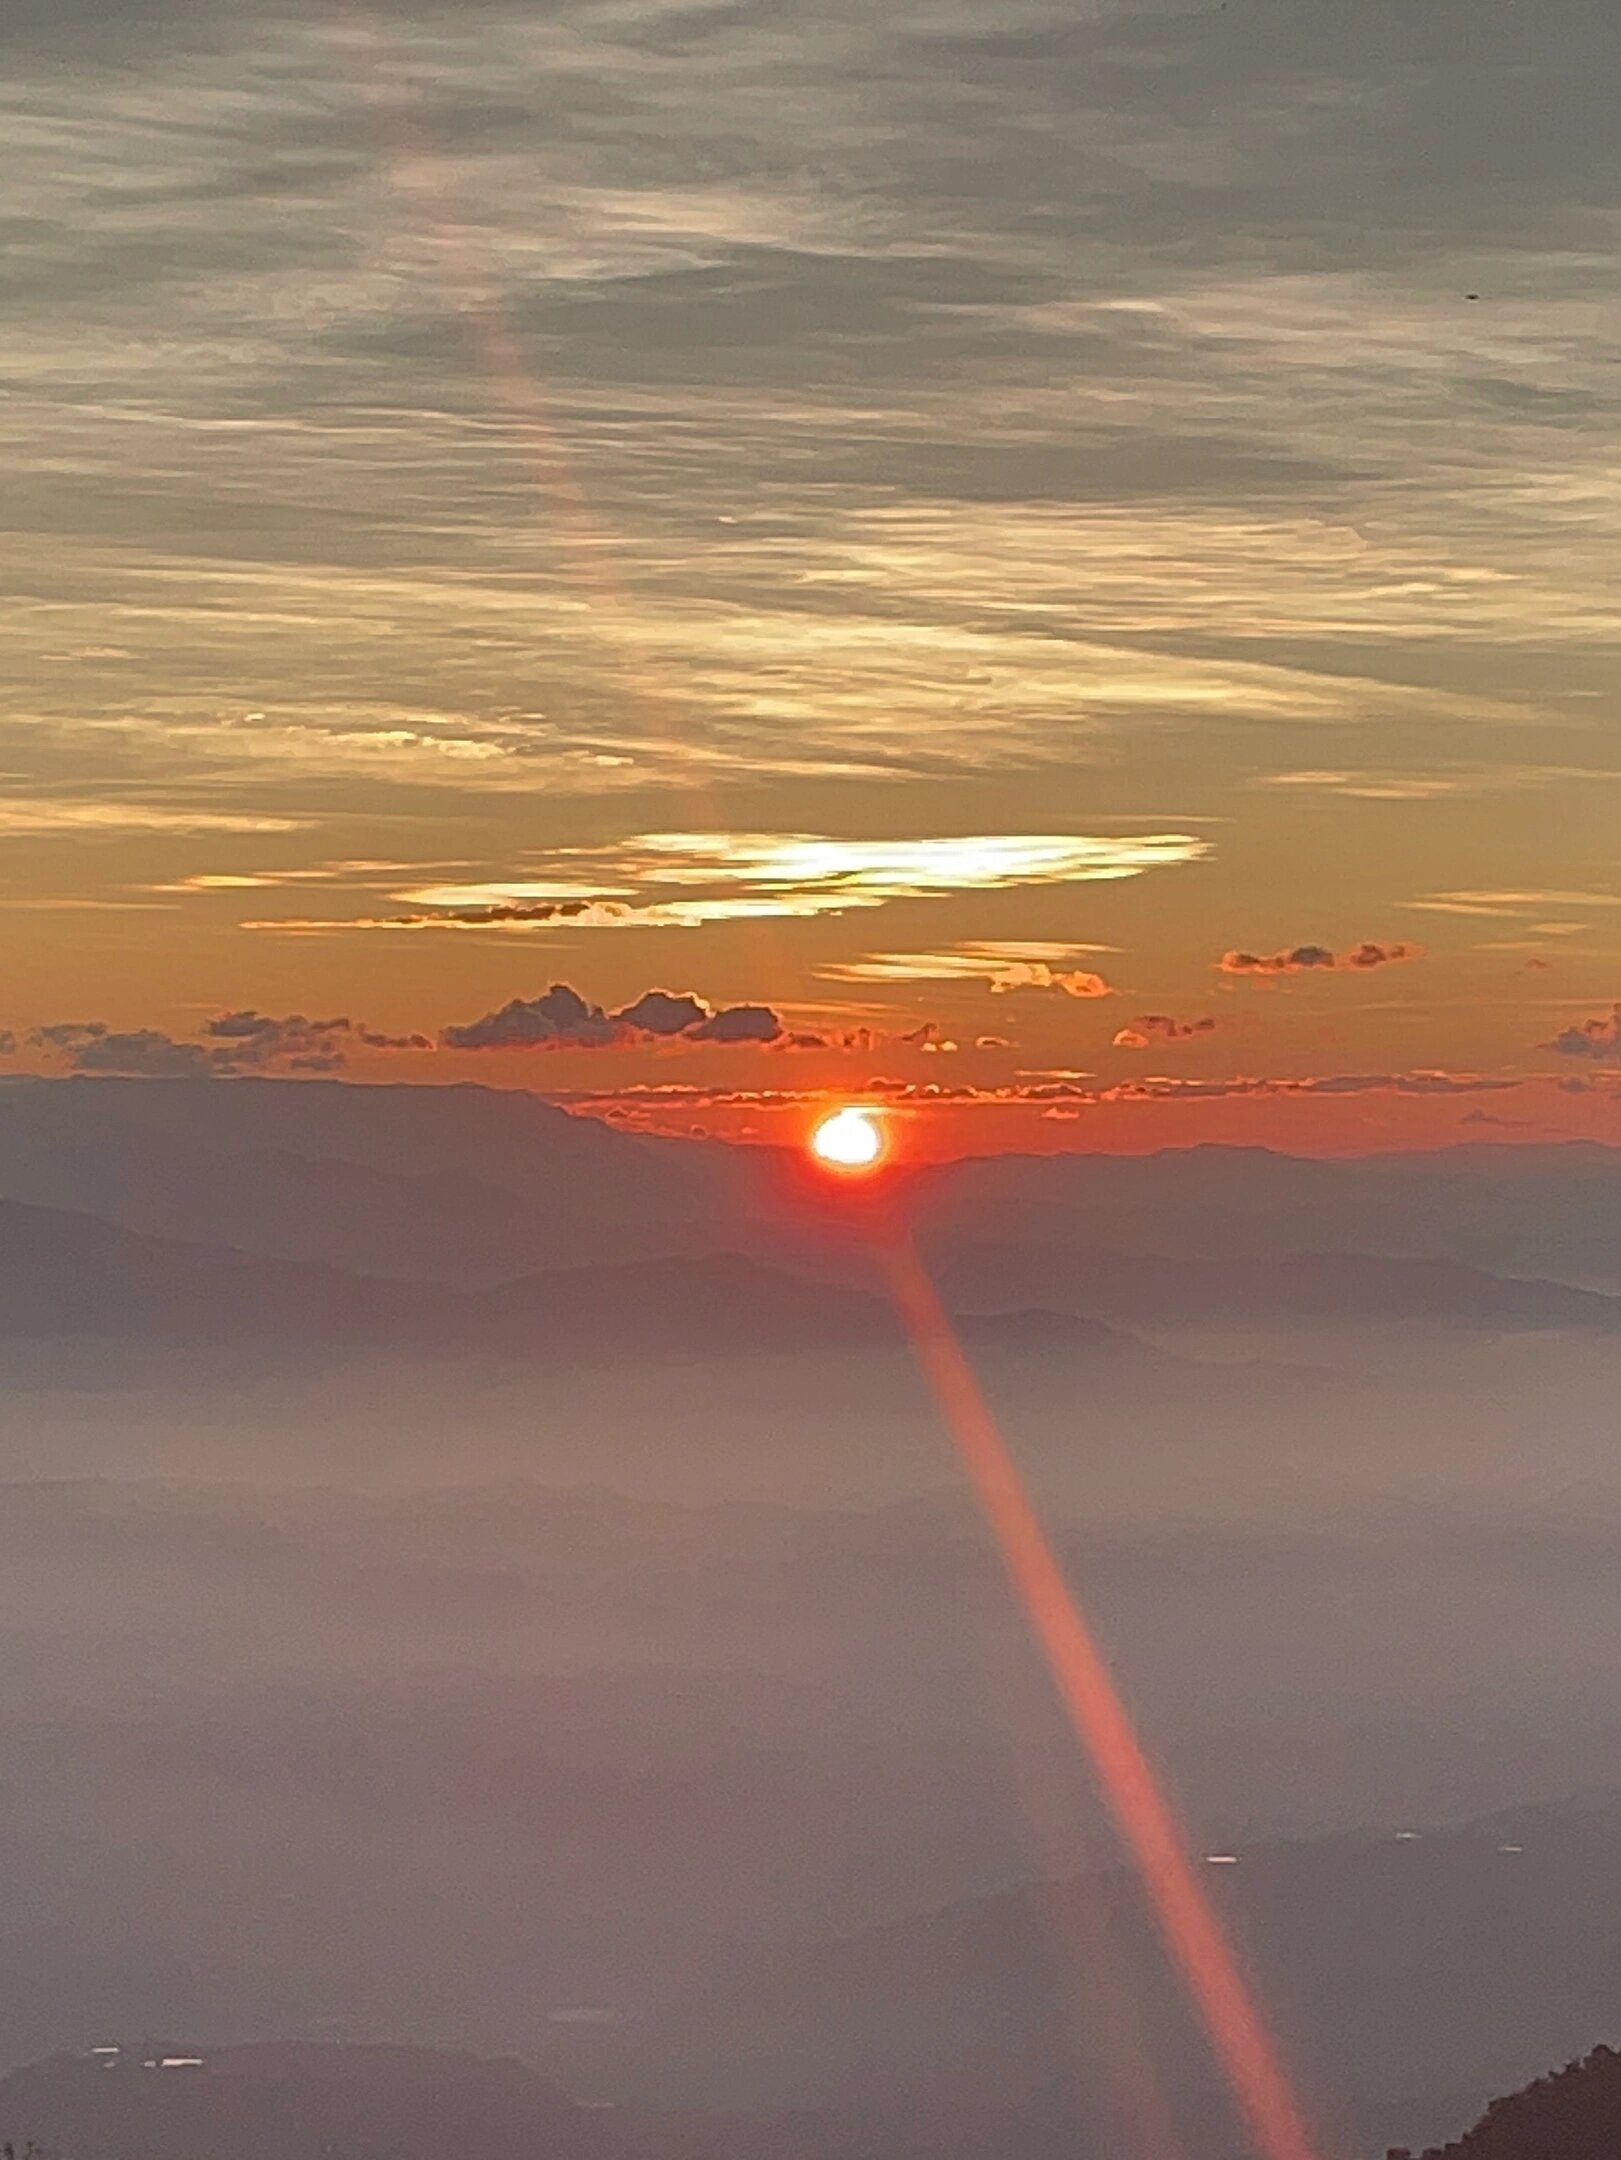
(457, 1184)
(1573, 2115)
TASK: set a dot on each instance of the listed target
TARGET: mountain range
(66, 1275)
(445, 1221)
(476, 1185)
(1408, 1974)
(466, 1563)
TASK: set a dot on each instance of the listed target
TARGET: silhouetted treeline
(1573, 2115)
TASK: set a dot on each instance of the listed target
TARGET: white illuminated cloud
(900, 869)
(686, 879)
(1011, 964)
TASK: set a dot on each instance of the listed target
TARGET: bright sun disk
(850, 1139)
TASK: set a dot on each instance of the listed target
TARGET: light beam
(1186, 1920)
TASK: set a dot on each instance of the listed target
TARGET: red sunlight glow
(1187, 1923)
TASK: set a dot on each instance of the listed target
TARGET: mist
(526, 1699)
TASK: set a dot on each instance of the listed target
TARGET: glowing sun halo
(850, 1139)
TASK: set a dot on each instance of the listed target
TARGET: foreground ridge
(1573, 2114)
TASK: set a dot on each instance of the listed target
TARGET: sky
(1053, 566)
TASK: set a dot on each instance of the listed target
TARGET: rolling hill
(293, 2102)
(1392, 1965)
(65, 1276)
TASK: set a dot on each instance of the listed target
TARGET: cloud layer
(628, 460)
(1598, 1039)
(561, 1019)
(1150, 1028)
(686, 880)
(244, 1041)
(1002, 964)
(1305, 959)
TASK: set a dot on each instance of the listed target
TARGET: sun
(850, 1139)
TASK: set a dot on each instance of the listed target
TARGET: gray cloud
(1293, 962)
(1206, 266)
(659, 1012)
(1598, 1039)
(1369, 955)
(90, 1046)
(1150, 1028)
(1303, 959)
(245, 1040)
(253, 1041)
(375, 1039)
(558, 1019)
(242, 1041)
(561, 1019)
(739, 1024)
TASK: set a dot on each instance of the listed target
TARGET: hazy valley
(602, 1664)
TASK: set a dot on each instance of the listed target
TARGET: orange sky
(619, 501)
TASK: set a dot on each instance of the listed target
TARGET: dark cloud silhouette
(241, 1041)
(245, 1040)
(1279, 963)
(1150, 1028)
(90, 1046)
(490, 915)
(512, 911)
(662, 1012)
(1369, 955)
(66, 1034)
(738, 1024)
(1409, 1083)
(374, 1039)
(1598, 1038)
(536, 911)
(253, 1041)
(846, 1040)
(560, 1019)
(1300, 959)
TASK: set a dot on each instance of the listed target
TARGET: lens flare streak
(1187, 1923)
